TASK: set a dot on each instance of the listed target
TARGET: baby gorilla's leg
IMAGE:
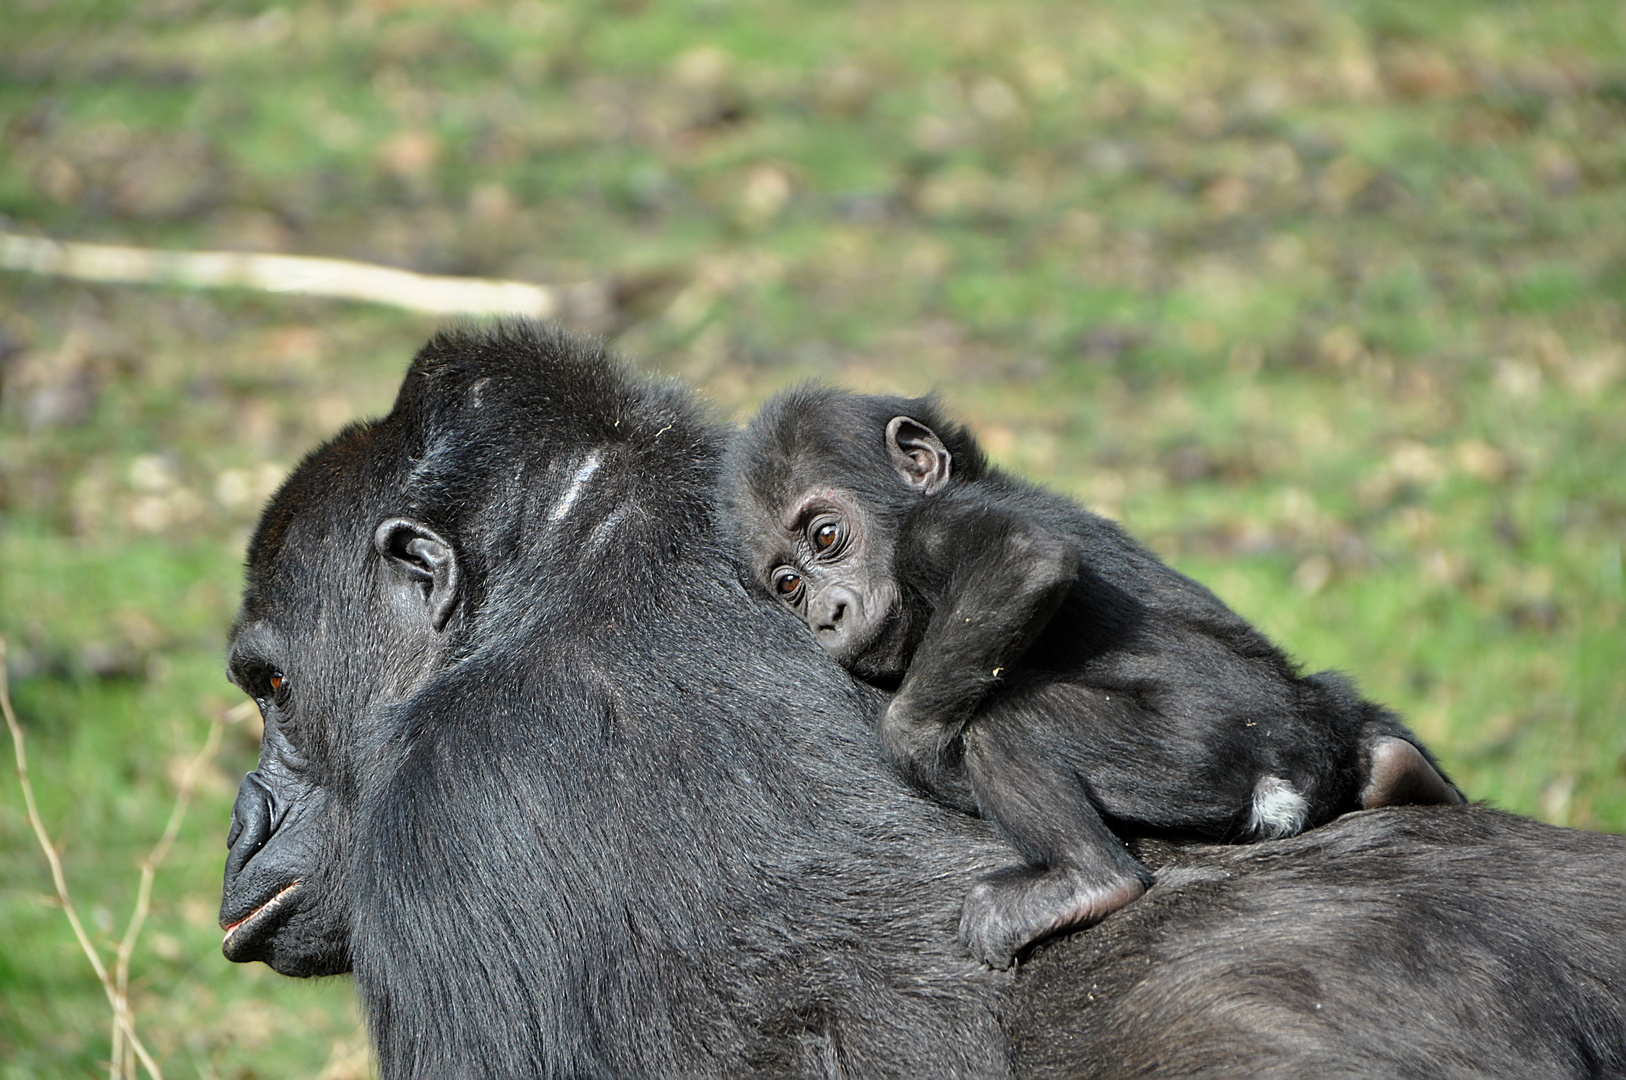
(1077, 872)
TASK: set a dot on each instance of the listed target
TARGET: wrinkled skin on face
(829, 564)
(272, 905)
(829, 557)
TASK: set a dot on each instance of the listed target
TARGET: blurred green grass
(1323, 300)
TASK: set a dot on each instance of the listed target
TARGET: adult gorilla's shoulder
(568, 799)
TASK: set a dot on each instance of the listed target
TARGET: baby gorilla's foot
(1010, 909)
(1398, 774)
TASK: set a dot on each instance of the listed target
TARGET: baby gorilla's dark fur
(1052, 674)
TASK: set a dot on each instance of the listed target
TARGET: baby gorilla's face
(825, 561)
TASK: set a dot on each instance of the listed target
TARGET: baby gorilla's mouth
(239, 931)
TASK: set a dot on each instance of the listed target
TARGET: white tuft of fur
(1278, 809)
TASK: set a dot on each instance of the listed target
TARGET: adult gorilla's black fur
(569, 800)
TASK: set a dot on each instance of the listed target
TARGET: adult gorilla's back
(570, 800)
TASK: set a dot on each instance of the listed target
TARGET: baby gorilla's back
(1141, 766)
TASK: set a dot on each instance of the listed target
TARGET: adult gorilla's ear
(420, 569)
(918, 454)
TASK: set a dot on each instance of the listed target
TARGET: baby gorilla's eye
(786, 584)
(825, 536)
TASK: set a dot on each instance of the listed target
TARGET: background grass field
(1325, 300)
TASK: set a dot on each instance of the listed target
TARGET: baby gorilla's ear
(918, 454)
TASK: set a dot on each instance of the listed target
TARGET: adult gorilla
(570, 800)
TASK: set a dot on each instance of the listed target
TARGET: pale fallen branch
(341, 279)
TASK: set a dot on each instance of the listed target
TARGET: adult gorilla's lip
(241, 931)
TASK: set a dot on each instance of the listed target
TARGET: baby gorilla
(1051, 673)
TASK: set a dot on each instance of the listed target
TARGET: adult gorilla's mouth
(241, 934)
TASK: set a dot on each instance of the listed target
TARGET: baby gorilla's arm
(1005, 579)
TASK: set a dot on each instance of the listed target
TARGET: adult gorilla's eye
(277, 680)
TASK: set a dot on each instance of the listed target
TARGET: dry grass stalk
(123, 1058)
(121, 1008)
(127, 1045)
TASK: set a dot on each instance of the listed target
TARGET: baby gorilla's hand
(912, 739)
(1010, 909)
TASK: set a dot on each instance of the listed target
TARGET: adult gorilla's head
(390, 552)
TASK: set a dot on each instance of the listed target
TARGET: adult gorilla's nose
(251, 824)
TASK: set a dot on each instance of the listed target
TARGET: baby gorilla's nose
(829, 610)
